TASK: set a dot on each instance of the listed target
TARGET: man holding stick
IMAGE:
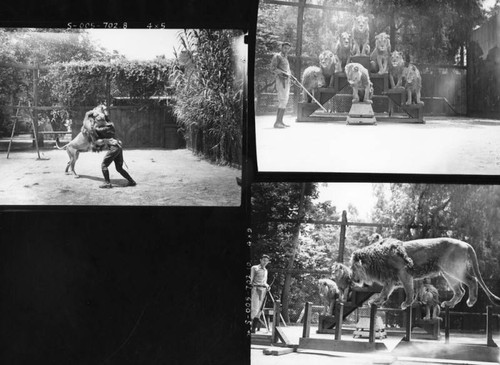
(258, 280)
(281, 69)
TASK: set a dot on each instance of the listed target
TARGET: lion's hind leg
(407, 281)
(73, 162)
(471, 283)
(457, 288)
(383, 295)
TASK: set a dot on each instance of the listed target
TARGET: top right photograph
(390, 87)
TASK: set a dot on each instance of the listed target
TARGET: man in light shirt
(258, 280)
(281, 69)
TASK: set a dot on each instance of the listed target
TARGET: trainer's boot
(282, 115)
(107, 181)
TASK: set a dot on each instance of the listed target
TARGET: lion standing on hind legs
(393, 263)
(84, 140)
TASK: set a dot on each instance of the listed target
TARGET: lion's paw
(447, 303)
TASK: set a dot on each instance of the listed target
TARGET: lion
(428, 295)
(328, 291)
(360, 36)
(359, 79)
(330, 65)
(341, 274)
(343, 49)
(381, 54)
(396, 68)
(394, 263)
(312, 80)
(413, 84)
(84, 140)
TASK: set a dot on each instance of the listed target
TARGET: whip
(297, 82)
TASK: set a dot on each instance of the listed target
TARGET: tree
(466, 212)
(428, 32)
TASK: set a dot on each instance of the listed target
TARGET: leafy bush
(86, 82)
(208, 95)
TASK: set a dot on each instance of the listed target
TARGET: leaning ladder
(16, 118)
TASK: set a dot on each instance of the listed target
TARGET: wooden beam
(306, 331)
(310, 6)
(23, 66)
(335, 223)
(343, 225)
(302, 271)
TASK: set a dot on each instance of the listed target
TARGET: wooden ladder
(16, 117)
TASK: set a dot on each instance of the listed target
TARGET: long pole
(343, 225)
(308, 93)
(34, 114)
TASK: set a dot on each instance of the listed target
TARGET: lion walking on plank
(393, 263)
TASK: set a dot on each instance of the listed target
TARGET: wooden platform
(310, 112)
(261, 339)
(361, 113)
(340, 345)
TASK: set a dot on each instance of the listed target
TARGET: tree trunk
(285, 296)
(392, 31)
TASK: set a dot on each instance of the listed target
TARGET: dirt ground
(164, 178)
(440, 146)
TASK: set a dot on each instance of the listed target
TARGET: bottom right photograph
(370, 273)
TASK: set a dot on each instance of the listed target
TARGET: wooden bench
(43, 135)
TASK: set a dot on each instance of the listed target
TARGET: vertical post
(489, 327)
(343, 225)
(373, 314)
(447, 325)
(108, 90)
(298, 49)
(307, 320)
(35, 104)
(339, 317)
(408, 323)
(276, 321)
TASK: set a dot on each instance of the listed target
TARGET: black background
(126, 285)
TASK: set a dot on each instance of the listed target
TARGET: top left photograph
(122, 117)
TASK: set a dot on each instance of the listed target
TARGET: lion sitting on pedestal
(343, 49)
(341, 274)
(396, 67)
(359, 79)
(381, 54)
(393, 263)
(413, 84)
(360, 36)
(328, 291)
(428, 295)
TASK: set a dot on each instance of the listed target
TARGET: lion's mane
(382, 260)
(342, 275)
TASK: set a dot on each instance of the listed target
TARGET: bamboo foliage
(208, 97)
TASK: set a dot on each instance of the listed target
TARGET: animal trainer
(97, 133)
(393, 263)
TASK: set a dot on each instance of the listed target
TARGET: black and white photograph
(255, 182)
(143, 117)
(379, 87)
(374, 273)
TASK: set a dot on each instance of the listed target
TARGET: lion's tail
(475, 267)
(60, 147)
